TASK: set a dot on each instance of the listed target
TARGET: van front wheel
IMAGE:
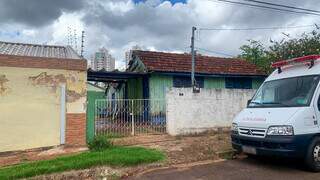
(313, 155)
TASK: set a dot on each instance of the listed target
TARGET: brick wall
(42, 62)
(76, 129)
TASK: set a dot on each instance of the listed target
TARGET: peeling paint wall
(75, 82)
(30, 105)
(74, 91)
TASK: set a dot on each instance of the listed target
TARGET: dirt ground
(181, 151)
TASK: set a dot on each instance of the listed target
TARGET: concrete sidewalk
(244, 169)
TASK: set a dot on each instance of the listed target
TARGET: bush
(99, 143)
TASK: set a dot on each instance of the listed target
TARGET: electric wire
(266, 7)
(282, 5)
(254, 28)
(215, 52)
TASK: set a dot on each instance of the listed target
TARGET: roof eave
(201, 74)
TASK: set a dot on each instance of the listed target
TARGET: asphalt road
(241, 169)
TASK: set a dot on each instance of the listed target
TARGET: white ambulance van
(283, 117)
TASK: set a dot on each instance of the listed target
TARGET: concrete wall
(189, 112)
(30, 107)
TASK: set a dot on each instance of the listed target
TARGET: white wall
(189, 112)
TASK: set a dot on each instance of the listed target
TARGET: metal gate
(123, 117)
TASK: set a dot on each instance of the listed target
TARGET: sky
(157, 25)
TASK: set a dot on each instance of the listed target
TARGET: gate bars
(124, 117)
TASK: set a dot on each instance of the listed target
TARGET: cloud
(167, 26)
(154, 24)
(142, 23)
(36, 12)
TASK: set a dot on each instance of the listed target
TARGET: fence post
(63, 114)
(132, 119)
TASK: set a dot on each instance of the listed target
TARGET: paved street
(245, 169)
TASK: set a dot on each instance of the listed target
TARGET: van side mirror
(319, 104)
(249, 101)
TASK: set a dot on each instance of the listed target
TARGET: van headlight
(234, 127)
(280, 131)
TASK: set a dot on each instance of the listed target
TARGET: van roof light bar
(304, 59)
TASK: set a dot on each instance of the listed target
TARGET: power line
(266, 7)
(255, 28)
(215, 52)
(244, 29)
(211, 51)
(281, 5)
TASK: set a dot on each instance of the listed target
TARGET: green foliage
(262, 55)
(100, 143)
(115, 156)
(255, 53)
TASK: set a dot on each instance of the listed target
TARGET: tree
(262, 56)
(255, 53)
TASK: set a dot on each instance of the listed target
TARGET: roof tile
(173, 62)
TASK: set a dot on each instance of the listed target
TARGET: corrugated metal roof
(36, 50)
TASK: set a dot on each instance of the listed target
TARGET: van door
(316, 105)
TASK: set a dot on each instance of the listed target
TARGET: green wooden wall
(157, 92)
(135, 89)
(158, 85)
(214, 83)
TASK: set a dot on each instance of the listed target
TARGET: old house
(139, 93)
(166, 70)
(42, 96)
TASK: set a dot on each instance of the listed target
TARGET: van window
(289, 92)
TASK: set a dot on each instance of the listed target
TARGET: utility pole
(82, 44)
(193, 81)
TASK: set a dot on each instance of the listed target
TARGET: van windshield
(289, 92)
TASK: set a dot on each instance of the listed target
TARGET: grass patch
(115, 156)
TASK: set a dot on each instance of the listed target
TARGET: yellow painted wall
(30, 105)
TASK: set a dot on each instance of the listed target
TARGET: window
(289, 92)
(239, 83)
(182, 82)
